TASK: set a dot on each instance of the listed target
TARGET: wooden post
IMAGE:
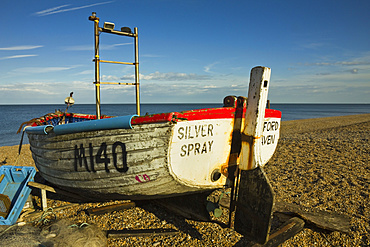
(44, 200)
(250, 156)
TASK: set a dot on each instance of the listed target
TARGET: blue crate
(14, 185)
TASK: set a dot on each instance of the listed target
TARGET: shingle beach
(320, 163)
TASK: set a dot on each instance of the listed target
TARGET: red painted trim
(155, 118)
(270, 113)
(210, 113)
(192, 115)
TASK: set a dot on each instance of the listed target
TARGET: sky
(194, 51)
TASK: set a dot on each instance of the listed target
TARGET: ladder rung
(119, 83)
(105, 61)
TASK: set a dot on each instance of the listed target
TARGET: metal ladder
(125, 31)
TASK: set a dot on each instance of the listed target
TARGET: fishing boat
(151, 156)
(166, 154)
(143, 157)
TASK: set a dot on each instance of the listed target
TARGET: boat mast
(125, 31)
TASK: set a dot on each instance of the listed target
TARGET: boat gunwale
(190, 115)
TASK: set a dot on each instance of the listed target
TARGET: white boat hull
(151, 160)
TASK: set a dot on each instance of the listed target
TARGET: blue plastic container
(14, 185)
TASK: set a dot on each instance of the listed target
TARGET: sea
(12, 116)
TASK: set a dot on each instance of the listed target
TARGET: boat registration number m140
(90, 161)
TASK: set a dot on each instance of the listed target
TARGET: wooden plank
(41, 186)
(87, 172)
(44, 187)
(332, 221)
(188, 206)
(286, 231)
(52, 141)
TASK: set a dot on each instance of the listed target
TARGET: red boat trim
(210, 113)
(192, 115)
(270, 113)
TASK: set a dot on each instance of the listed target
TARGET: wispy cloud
(91, 48)
(86, 72)
(208, 67)
(46, 91)
(313, 45)
(46, 11)
(20, 48)
(151, 55)
(63, 8)
(158, 76)
(200, 92)
(344, 63)
(17, 56)
(173, 76)
(35, 87)
(37, 70)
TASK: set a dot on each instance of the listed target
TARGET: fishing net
(60, 234)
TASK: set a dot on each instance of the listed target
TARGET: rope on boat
(41, 120)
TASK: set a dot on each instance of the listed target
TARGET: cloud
(151, 55)
(210, 86)
(20, 48)
(62, 8)
(91, 47)
(36, 70)
(172, 76)
(42, 92)
(190, 92)
(17, 56)
(35, 87)
(86, 72)
(158, 76)
(51, 10)
(318, 92)
(344, 63)
(208, 68)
